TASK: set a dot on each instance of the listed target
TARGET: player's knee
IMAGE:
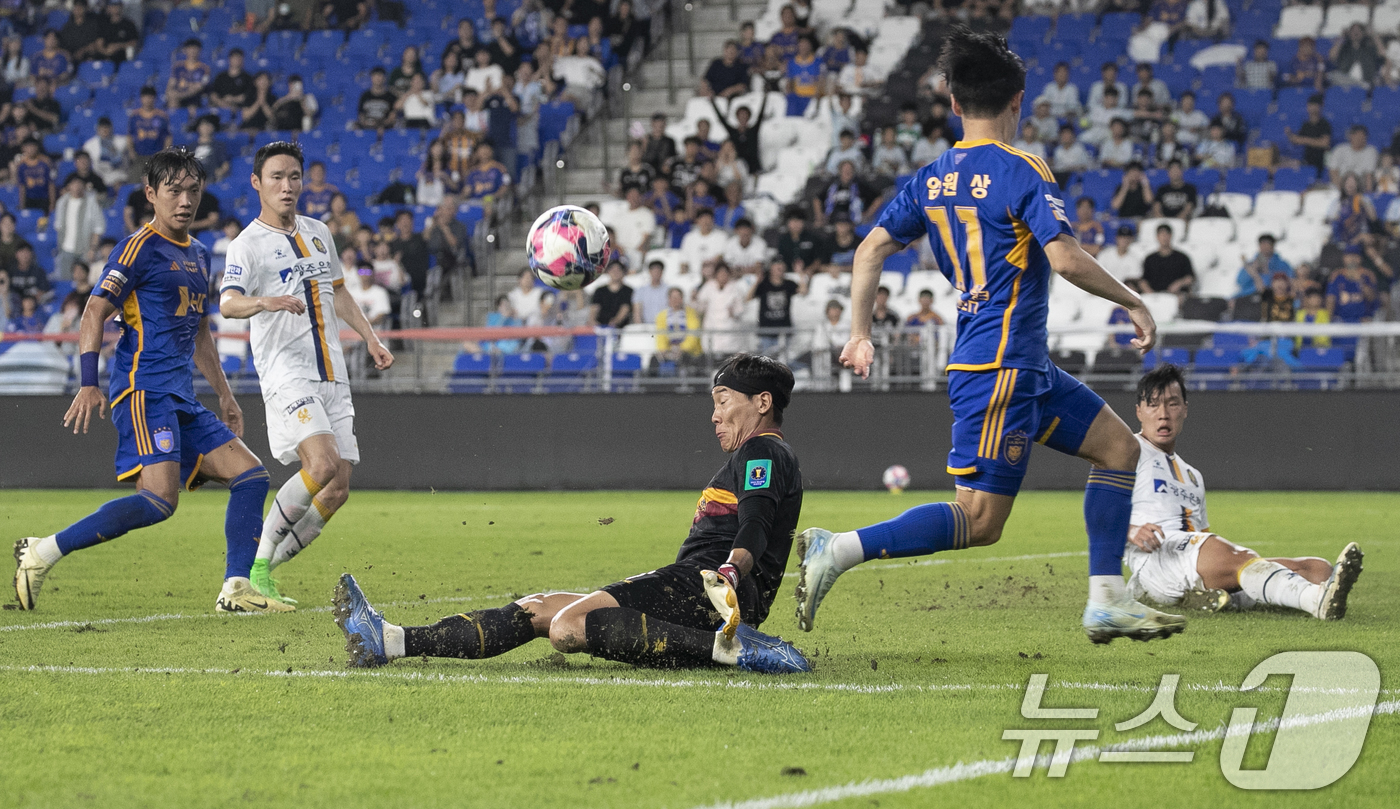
(566, 633)
(322, 470)
(984, 533)
(540, 618)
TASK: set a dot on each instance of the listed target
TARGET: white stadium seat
(1147, 230)
(1317, 202)
(1163, 306)
(1386, 19)
(1218, 283)
(1276, 205)
(1210, 230)
(1340, 17)
(1239, 205)
(1297, 22)
(893, 281)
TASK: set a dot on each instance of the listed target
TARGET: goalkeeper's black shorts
(676, 594)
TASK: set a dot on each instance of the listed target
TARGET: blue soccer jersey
(148, 131)
(988, 209)
(317, 204)
(161, 288)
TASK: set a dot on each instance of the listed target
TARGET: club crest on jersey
(164, 439)
(1016, 444)
(1192, 475)
(756, 475)
(318, 244)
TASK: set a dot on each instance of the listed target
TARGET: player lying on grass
(1174, 557)
(158, 278)
(284, 275)
(995, 221)
(726, 575)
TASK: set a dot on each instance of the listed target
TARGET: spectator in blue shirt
(1253, 276)
(27, 321)
(503, 316)
(1351, 293)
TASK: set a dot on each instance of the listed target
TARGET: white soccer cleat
(815, 574)
(1129, 619)
(726, 602)
(238, 595)
(1333, 604)
(30, 571)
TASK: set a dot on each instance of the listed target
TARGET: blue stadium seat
(399, 142)
(1178, 77)
(1245, 180)
(1343, 105)
(1293, 102)
(902, 262)
(1294, 179)
(220, 19)
(182, 22)
(585, 344)
(232, 365)
(1322, 359)
(1216, 359)
(9, 197)
(1205, 180)
(1155, 177)
(247, 42)
(363, 44)
(520, 372)
(282, 43)
(569, 372)
(1058, 50)
(626, 366)
(1253, 105)
(1119, 26)
(1101, 185)
(1230, 340)
(554, 119)
(1176, 356)
(96, 74)
(322, 45)
(1074, 27)
(470, 373)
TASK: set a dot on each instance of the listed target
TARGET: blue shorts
(997, 415)
(165, 427)
(797, 105)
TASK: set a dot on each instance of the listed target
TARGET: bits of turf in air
(606, 520)
(793, 771)
(875, 664)
(491, 522)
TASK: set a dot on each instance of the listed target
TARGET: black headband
(751, 387)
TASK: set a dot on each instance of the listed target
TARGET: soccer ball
(567, 247)
(896, 479)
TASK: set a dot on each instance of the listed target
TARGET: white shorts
(303, 408)
(1168, 573)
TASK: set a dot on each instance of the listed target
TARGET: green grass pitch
(918, 666)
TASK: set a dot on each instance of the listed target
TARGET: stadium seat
(1294, 179)
(1074, 27)
(1276, 205)
(1228, 340)
(625, 367)
(1100, 186)
(1246, 180)
(470, 373)
(96, 74)
(520, 373)
(1340, 17)
(1343, 106)
(1213, 230)
(1297, 22)
(1118, 26)
(1116, 361)
(568, 373)
(1029, 29)
(1175, 356)
(1253, 105)
(1205, 180)
(1216, 359)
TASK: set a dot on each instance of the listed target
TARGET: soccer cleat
(1333, 604)
(766, 654)
(1129, 619)
(1209, 599)
(238, 595)
(816, 574)
(362, 624)
(30, 571)
(261, 579)
(723, 597)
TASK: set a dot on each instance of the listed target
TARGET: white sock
(726, 651)
(847, 549)
(291, 503)
(1107, 589)
(393, 641)
(307, 528)
(47, 550)
(1272, 583)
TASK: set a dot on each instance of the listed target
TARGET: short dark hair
(1269, 237)
(235, 51)
(744, 222)
(883, 289)
(704, 211)
(762, 373)
(1155, 382)
(377, 69)
(982, 71)
(277, 147)
(169, 165)
(148, 90)
(192, 41)
(1166, 227)
(104, 121)
(1085, 199)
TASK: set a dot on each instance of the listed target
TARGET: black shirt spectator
(346, 14)
(412, 251)
(504, 49)
(1316, 156)
(28, 280)
(118, 34)
(727, 76)
(138, 209)
(1176, 200)
(658, 149)
(207, 215)
(1160, 271)
(83, 171)
(745, 135)
(1134, 202)
(1235, 127)
(639, 177)
(775, 303)
(80, 33)
(376, 108)
(807, 245)
(610, 302)
(233, 89)
(43, 110)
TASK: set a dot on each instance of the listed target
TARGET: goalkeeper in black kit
(701, 610)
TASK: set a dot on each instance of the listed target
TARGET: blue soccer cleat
(766, 654)
(816, 573)
(1129, 619)
(362, 624)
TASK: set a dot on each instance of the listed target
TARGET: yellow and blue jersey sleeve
(988, 210)
(123, 269)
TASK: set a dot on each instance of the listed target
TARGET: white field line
(977, 769)
(633, 682)
(145, 619)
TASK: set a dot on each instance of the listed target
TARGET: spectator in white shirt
(1062, 95)
(484, 77)
(931, 146)
(1070, 156)
(703, 243)
(833, 331)
(720, 303)
(634, 227)
(1119, 150)
(1161, 95)
(1215, 152)
(650, 300)
(1191, 123)
(418, 106)
(1029, 142)
(1047, 126)
(1102, 115)
(1355, 156)
(1207, 19)
(1109, 74)
(372, 298)
(525, 295)
(858, 76)
(846, 150)
(889, 157)
(1121, 260)
(745, 253)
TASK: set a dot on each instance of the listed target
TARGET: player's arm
(1074, 265)
(350, 313)
(233, 303)
(869, 260)
(97, 312)
(206, 359)
(758, 509)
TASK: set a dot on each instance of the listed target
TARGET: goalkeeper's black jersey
(763, 466)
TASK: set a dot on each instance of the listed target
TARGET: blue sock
(247, 494)
(919, 531)
(112, 520)
(1108, 506)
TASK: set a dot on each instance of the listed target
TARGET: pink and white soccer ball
(896, 479)
(568, 247)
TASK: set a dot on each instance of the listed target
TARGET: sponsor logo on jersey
(164, 439)
(756, 475)
(301, 270)
(318, 244)
(279, 253)
(1016, 444)
(299, 404)
(111, 285)
(1159, 486)
(233, 271)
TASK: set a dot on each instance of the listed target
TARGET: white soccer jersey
(267, 262)
(1169, 492)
